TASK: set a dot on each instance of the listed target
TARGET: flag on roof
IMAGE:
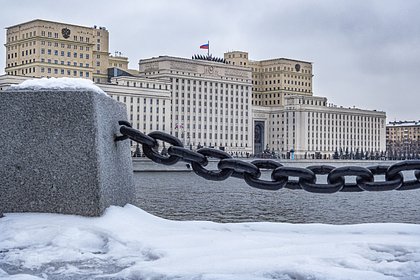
(205, 46)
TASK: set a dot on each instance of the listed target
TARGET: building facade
(312, 128)
(235, 104)
(41, 48)
(288, 119)
(211, 101)
(403, 140)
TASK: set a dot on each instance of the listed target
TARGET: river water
(186, 196)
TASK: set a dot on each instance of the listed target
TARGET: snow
(128, 243)
(58, 83)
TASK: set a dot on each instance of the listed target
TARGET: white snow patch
(128, 243)
(58, 83)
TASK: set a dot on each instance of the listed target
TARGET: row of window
(211, 144)
(266, 77)
(215, 128)
(240, 63)
(63, 53)
(63, 45)
(216, 104)
(239, 119)
(196, 75)
(145, 100)
(206, 136)
(240, 55)
(73, 73)
(21, 46)
(157, 117)
(76, 64)
(50, 34)
(280, 88)
(285, 68)
(205, 83)
(289, 82)
(86, 65)
(141, 85)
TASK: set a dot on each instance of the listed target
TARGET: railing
(280, 175)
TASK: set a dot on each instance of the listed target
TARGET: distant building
(211, 101)
(232, 103)
(287, 119)
(403, 140)
(41, 48)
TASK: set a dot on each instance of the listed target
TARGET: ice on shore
(58, 83)
(128, 243)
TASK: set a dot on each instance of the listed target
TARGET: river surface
(186, 196)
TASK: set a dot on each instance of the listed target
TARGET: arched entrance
(258, 137)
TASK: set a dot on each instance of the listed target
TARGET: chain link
(250, 172)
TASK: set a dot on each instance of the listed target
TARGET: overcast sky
(364, 53)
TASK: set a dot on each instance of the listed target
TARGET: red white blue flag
(205, 46)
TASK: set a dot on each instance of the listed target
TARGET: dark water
(185, 196)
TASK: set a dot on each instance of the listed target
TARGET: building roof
(49, 21)
(280, 58)
(403, 123)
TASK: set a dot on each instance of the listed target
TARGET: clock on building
(297, 67)
(65, 32)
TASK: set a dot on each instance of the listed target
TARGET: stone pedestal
(58, 154)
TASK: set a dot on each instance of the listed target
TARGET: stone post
(58, 154)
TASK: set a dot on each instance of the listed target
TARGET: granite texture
(58, 153)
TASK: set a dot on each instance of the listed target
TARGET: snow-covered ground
(128, 243)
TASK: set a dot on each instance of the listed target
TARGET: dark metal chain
(280, 175)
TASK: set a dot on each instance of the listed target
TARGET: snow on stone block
(58, 152)
(58, 83)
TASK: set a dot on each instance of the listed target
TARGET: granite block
(58, 153)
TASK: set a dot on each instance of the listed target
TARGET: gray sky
(364, 53)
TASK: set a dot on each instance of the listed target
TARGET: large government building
(211, 101)
(41, 48)
(289, 119)
(403, 140)
(233, 103)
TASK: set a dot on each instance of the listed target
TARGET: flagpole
(208, 50)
